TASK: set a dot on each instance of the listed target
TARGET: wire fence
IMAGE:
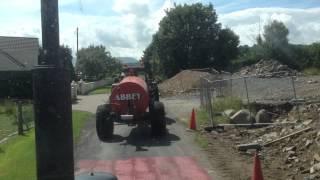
(16, 117)
(256, 89)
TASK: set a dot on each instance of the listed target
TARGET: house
(18, 53)
(18, 56)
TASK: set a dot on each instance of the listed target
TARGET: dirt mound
(182, 82)
(267, 68)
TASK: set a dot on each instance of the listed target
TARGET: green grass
(17, 157)
(311, 71)
(79, 119)
(201, 140)
(219, 105)
(202, 117)
(102, 90)
(7, 125)
(222, 104)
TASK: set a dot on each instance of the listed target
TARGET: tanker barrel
(131, 90)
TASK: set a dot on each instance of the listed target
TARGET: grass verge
(102, 90)
(17, 157)
(203, 119)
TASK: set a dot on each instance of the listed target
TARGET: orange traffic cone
(193, 125)
(257, 172)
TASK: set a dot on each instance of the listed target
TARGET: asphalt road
(134, 154)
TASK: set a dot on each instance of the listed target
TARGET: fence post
(295, 97)
(19, 117)
(248, 101)
(231, 92)
(201, 92)
(210, 104)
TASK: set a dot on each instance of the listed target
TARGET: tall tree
(96, 62)
(276, 43)
(65, 53)
(276, 34)
(189, 36)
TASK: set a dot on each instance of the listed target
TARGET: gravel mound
(184, 81)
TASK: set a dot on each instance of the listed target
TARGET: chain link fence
(257, 89)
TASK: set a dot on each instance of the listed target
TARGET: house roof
(18, 53)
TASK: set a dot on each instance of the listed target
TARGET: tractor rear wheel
(104, 122)
(158, 120)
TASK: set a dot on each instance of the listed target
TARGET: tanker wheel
(158, 120)
(104, 122)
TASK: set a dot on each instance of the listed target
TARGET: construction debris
(263, 116)
(267, 69)
(287, 136)
(245, 147)
(242, 117)
(289, 148)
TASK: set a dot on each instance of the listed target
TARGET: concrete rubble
(295, 148)
(268, 69)
(242, 117)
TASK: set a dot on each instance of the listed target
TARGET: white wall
(85, 87)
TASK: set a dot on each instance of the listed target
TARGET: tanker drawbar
(133, 101)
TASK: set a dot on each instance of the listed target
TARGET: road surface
(134, 154)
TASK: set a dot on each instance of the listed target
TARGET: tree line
(190, 36)
(93, 62)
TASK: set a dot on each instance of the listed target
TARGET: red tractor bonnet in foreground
(133, 101)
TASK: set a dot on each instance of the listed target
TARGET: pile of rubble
(290, 147)
(267, 69)
(182, 82)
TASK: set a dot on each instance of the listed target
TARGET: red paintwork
(151, 168)
(130, 85)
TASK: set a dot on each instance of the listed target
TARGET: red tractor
(133, 101)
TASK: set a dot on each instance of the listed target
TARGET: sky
(126, 27)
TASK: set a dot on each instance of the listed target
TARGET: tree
(189, 36)
(96, 62)
(276, 34)
(276, 43)
(65, 54)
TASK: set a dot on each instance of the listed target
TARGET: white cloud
(303, 24)
(128, 30)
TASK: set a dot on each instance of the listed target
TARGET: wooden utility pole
(77, 42)
(52, 102)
